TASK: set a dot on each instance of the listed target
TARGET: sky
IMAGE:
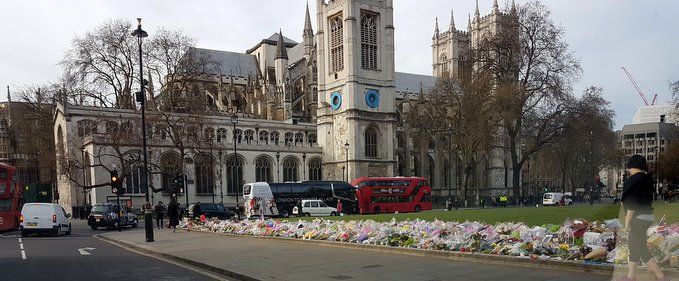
(604, 34)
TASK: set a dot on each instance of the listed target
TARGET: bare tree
(533, 69)
(461, 112)
(102, 64)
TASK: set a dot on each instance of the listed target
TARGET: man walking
(159, 214)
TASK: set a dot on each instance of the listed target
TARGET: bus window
(3, 174)
(274, 188)
(246, 189)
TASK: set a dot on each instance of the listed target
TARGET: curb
(574, 266)
(200, 265)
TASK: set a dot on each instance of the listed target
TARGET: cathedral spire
(436, 27)
(513, 9)
(452, 20)
(496, 7)
(308, 31)
(477, 15)
(469, 22)
(281, 51)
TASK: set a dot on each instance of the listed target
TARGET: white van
(44, 218)
(555, 198)
(259, 200)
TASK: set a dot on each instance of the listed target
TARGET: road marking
(21, 246)
(23, 254)
(83, 251)
(20, 240)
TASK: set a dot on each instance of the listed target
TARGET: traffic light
(115, 182)
(178, 184)
(546, 189)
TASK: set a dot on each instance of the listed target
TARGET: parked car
(211, 210)
(111, 216)
(556, 199)
(44, 218)
(314, 208)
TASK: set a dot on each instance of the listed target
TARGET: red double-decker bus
(392, 194)
(10, 195)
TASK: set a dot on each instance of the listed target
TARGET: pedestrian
(637, 201)
(173, 214)
(196, 210)
(339, 207)
(300, 212)
(159, 213)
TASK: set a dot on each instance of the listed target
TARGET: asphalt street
(80, 256)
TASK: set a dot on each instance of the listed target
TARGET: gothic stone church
(330, 107)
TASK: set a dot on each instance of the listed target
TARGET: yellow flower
(564, 247)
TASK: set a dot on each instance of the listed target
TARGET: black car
(210, 210)
(111, 216)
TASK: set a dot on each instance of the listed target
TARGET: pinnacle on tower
(476, 13)
(513, 9)
(496, 8)
(469, 22)
(452, 20)
(436, 26)
(281, 51)
(307, 22)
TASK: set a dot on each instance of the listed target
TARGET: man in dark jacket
(637, 200)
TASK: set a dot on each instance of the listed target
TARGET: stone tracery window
(336, 44)
(290, 169)
(288, 138)
(263, 169)
(205, 176)
(264, 137)
(315, 171)
(249, 136)
(369, 41)
(371, 142)
(299, 139)
(234, 175)
(221, 134)
(275, 136)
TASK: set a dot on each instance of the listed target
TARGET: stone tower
(356, 94)
(449, 49)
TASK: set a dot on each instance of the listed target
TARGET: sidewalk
(266, 259)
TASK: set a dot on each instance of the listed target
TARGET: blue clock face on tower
(372, 98)
(336, 100)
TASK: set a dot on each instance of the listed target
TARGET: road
(59, 258)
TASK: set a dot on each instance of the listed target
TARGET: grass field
(529, 215)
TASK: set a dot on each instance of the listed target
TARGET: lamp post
(234, 121)
(657, 179)
(221, 179)
(141, 98)
(304, 166)
(278, 166)
(346, 152)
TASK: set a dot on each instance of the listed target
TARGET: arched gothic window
(313, 139)
(401, 165)
(444, 63)
(192, 134)
(399, 141)
(299, 139)
(315, 171)
(371, 142)
(288, 138)
(221, 134)
(275, 136)
(263, 169)
(205, 176)
(336, 44)
(133, 181)
(86, 127)
(238, 135)
(234, 175)
(209, 134)
(249, 136)
(430, 174)
(264, 137)
(290, 169)
(170, 167)
(369, 41)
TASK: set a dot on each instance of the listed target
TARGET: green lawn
(529, 215)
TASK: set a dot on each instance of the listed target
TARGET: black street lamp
(141, 97)
(346, 150)
(304, 166)
(278, 166)
(657, 179)
(234, 121)
(221, 179)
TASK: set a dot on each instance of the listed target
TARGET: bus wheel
(377, 210)
(285, 214)
(418, 208)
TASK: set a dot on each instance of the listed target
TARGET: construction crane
(641, 93)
